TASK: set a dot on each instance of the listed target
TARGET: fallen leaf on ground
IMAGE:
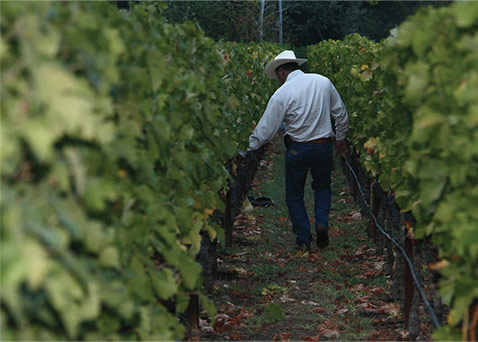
(359, 287)
(242, 273)
(366, 275)
(222, 317)
(377, 290)
(390, 308)
(404, 334)
(205, 326)
(368, 306)
(315, 258)
(363, 299)
(359, 254)
(287, 299)
(309, 302)
(342, 311)
(319, 310)
(311, 338)
(379, 265)
(282, 337)
(329, 333)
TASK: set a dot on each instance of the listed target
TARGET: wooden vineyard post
(472, 326)
(228, 220)
(409, 287)
(375, 209)
(354, 187)
(194, 311)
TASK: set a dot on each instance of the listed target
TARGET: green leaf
(109, 256)
(447, 333)
(417, 81)
(189, 269)
(37, 259)
(97, 191)
(208, 306)
(273, 312)
(164, 283)
(465, 14)
(138, 280)
(90, 308)
(65, 293)
(182, 303)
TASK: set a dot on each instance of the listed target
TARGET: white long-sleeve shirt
(305, 102)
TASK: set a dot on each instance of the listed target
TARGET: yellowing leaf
(370, 145)
(247, 206)
(208, 212)
(438, 265)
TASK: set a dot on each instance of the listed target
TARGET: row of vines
(116, 128)
(413, 106)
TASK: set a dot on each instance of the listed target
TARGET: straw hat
(286, 56)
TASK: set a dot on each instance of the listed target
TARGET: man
(305, 103)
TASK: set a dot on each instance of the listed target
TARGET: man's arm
(268, 125)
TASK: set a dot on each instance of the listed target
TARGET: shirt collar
(294, 74)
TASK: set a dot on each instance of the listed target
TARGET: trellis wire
(417, 283)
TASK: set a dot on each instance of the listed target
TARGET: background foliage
(305, 22)
(236, 21)
(246, 79)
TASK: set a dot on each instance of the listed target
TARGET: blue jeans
(301, 158)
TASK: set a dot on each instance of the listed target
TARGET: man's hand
(341, 146)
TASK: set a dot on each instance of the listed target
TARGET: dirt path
(266, 291)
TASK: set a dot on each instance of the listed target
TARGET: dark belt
(316, 141)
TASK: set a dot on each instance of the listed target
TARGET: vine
(116, 127)
(413, 119)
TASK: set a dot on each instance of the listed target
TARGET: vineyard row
(116, 129)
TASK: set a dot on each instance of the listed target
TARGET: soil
(265, 290)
